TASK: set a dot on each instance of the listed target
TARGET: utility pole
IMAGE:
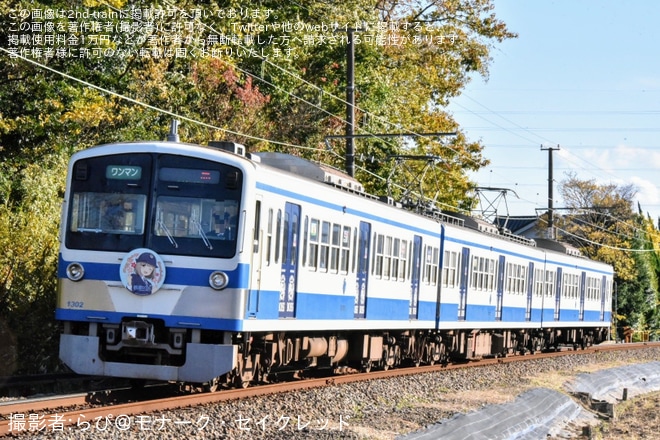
(551, 232)
(350, 102)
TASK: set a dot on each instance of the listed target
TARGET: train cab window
(197, 207)
(108, 202)
(207, 222)
(108, 213)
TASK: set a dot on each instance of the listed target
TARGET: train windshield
(171, 204)
(108, 213)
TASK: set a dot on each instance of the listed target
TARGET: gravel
(377, 409)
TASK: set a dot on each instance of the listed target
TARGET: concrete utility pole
(551, 232)
(350, 102)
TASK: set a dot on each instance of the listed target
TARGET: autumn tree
(602, 223)
(242, 77)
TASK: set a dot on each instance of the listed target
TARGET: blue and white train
(200, 265)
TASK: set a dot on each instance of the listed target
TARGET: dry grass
(637, 418)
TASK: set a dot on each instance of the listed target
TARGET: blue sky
(584, 75)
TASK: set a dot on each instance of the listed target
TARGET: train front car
(152, 284)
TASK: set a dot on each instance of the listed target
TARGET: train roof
(311, 170)
(332, 176)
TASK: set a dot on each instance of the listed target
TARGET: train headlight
(75, 271)
(218, 280)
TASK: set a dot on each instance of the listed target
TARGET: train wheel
(239, 382)
(214, 385)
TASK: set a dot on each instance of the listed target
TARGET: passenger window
(269, 236)
(314, 244)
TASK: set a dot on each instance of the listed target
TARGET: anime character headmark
(145, 266)
(142, 272)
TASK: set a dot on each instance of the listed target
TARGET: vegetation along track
(78, 410)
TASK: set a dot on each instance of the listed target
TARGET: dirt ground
(638, 418)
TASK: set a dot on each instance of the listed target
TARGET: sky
(582, 76)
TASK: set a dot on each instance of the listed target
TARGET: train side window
(515, 278)
(431, 261)
(325, 246)
(425, 267)
(257, 225)
(387, 258)
(450, 269)
(380, 247)
(314, 244)
(345, 249)
(374, 246)
(403, 260)
(474, 272)
(538, 282)
(550, 283)
(570, 285)
(355, 250)
(304, 256)
(285, 239)
(295, 225)
(278, 235)
(396, 255)
(269, 236)
(410, 260)
(335, 247)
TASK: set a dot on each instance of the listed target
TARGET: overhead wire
(201, 123)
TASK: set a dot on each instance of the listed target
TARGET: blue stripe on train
(264, 305)
(238, 278)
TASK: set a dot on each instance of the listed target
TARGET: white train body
(225, 267)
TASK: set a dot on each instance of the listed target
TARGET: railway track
(81, 410)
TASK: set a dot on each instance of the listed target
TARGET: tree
(603, 225)
(273, 79)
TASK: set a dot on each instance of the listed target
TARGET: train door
(530, 290)
(463, 290)
(414, 277)
(290, 234)
(500, 288)
(255, 263)
(604, 296)
(560, 282)
(362, 276)
(583, 287)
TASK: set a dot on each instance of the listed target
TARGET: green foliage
(28, 237)
(287, 96)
